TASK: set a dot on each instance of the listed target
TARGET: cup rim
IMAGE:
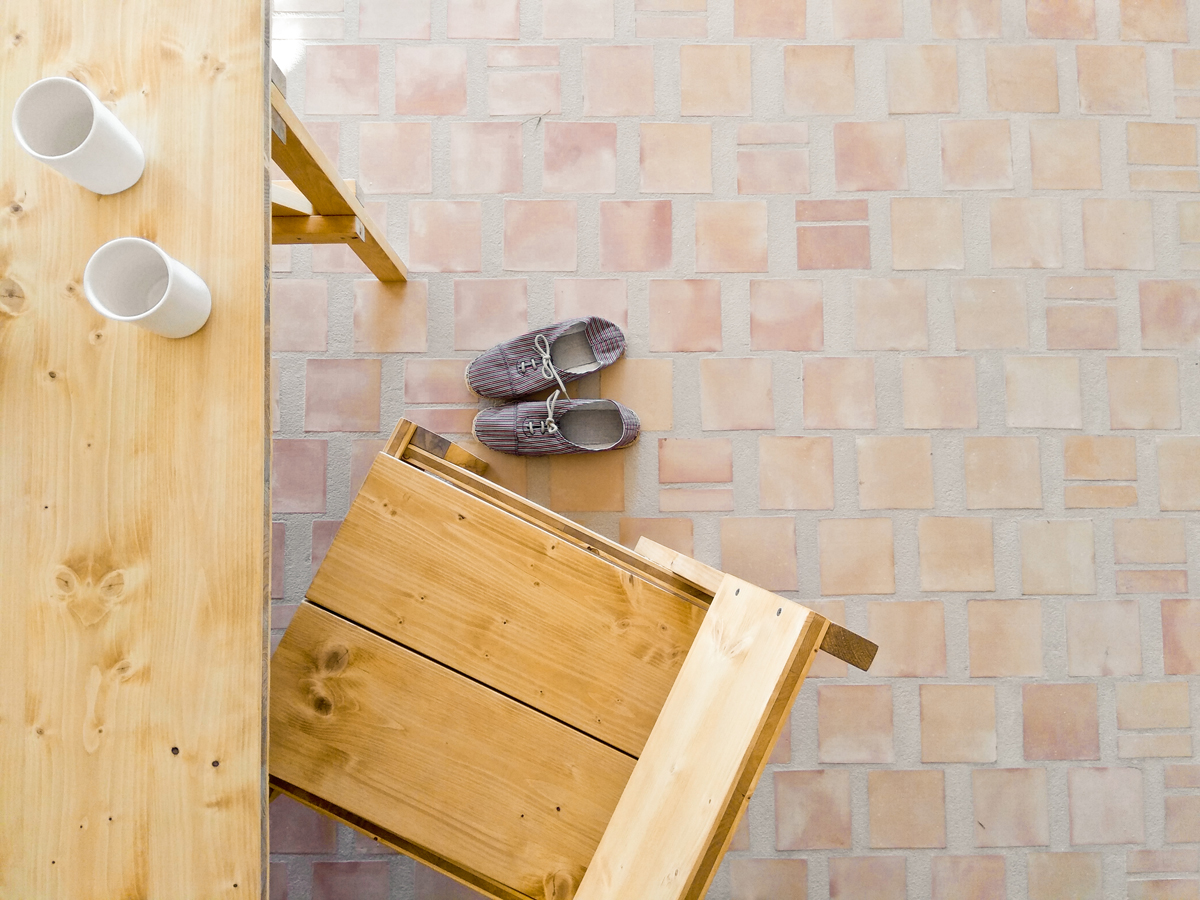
(92, 98)
(104, 310)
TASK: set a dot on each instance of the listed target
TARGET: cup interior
(127, 277)
(54, 116)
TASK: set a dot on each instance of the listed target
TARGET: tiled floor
(912, 291)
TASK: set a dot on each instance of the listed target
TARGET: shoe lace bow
(548, 425)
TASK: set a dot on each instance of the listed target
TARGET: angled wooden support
(316, 178)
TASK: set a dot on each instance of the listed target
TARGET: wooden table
(133, 472)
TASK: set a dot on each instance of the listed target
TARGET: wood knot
(17, 39)
(12, 297)
(112, 585)
(96, 337)
(15, 209)
(334, 659)
(322, 704)
(559, 885)
(65, 581)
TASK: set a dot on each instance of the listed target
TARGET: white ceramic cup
(63, 124)
(133, 280)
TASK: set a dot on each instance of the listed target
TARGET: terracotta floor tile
(676, 158)
(491, 19)
(911, 637)
(939, 392)
(1053, 876)
(989, 314)
(342, 394)
(390, 318)
(1181, 776)
(488, 312)
(445, 236)
(523, 93)
(966, 18)
(768, 879)
(540, 235)
(976, 155)
(341, 79)
(1149, 540)
(1162, 860)
(1042, 392)
(1060, 721)
(833, 247)
(645, 386)
(299, 314)
(736, 394)
(1100, 459)
(1026, 233)
(1093, 496)
(731, 236)
(278, 877)
(1118, 234)
(1170, 313)
(695, 460)
(772, 171)
(296, 828)
(1065, 154)
(854, 723)
(485, 157)
(867, 878)
(1145, 20)
(958, 724)
(1178, 473)
(1057, 557)
(676, 500)
(835, 211)
(431, 81)
(580, 158)
(436, 381)
(956, 553)
(278, 535)
(323, 533)
(408, 20)
(635, 235)
(1169, 581)
(1181, 636)
(854, 19)
(895, 472)
(1143, 392)
(968, 878)
(1002, 472)
(812, 810)
(673, 533)
(362, 456)
(890, 314)
(433, 885)
(922, 78)
(1182, 819)
(1162, 704)
(685, 315)
(395, 157)
(856, 556)
(1022, 78)
(786, 315)
(1158, 144)
(761, 550)
(819, 80)
(298, 476)
(771, 19)
(618, 81)
(1077, 327)
(566, 19)
(1071, 19)
(839, 392)
(1010, 807)
(603, 297)
(714, 80)
(1112, 80)
(1004, 638)
(795, 472)
(906, 808)
(870, 156)
(927, 233)
(1164, 889)
(1186, 67)
(588, 482)
(1103, 638)
(1106, 806)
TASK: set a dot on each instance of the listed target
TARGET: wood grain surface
(440, 760)
(133, 485)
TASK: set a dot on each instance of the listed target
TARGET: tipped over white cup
(62, 123)
(133, 280)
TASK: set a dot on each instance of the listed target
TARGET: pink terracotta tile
(966, 18)
(769, 18)
(299, 314)
(911, 637)
(854, 723)
(281, 258)
(856, 556)
(278, 535)
(1182, 819)
(772, 171)
(1170, 313)
(369, 880)
(540, 235)
(604, 297)
(968, 878)
(1078, 496)
(588, 482)
(1103, 638)
(676, 158)
(958, 724)
(436, 381)
(395, 158)
(741, 834)
(956, 553)
(833, 247)
(795, 472)
(406, 20)
(488, 312)
(445, 236)
(1158, 144)
(635, 235)
(1181, 636)
(922, 78)
(1100, 459)
(773, 133)
(714, 80)
(485, 157)
(492, 19)
(1071, 19)
(768, 879)
(867, 878)
(895, 472)
(976, 155)
(1165, 889)
(695, 460)
(1089, 287)
(673, 533)
(819, 80)
(927, 233)
(1181, 776)
(1054, 876)
(907, 809)
(1169, 581)
(786, 315)
(731, 236)
(1149, 541)
(298, 476)
(1004, 638)
(645, 386)
(685, 315)
(1145, 705)
(341, 79)
(1118, 234)
(390, 318)
(1165, 180)
(1112, 80)
(431, 81)
(1026, 233)
(618, 81)
(1060, 721)
(328, 136)
(1002, 472)
(580, 158)
(989, 313)
(1154, 20)
(939, 392)
(362, 457)
(695, 500)
(342, 394)
(812, 810)
(870, 156)
(1022, 78)
(566, 19)
(890, 314)
(688, 28)
(278, 879)
(1078, 327)
(323, 533)
(370, 846)
(296, 828)
(839, 392)
(1057, 557)
(1178, 475)
(736, 394)
(1065, 154)
(523, 93)
(1143, 392)
(1180, 860)
(1042, 392)
(831, 210)
(1106, 806)
(1010, 807)
(854, 19)
(761, 549)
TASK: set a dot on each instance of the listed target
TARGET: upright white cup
(62, 123)
(132, 280)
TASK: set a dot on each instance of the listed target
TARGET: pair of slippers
(542, 360)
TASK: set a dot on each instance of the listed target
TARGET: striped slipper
(534, 428)
(546, 358)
